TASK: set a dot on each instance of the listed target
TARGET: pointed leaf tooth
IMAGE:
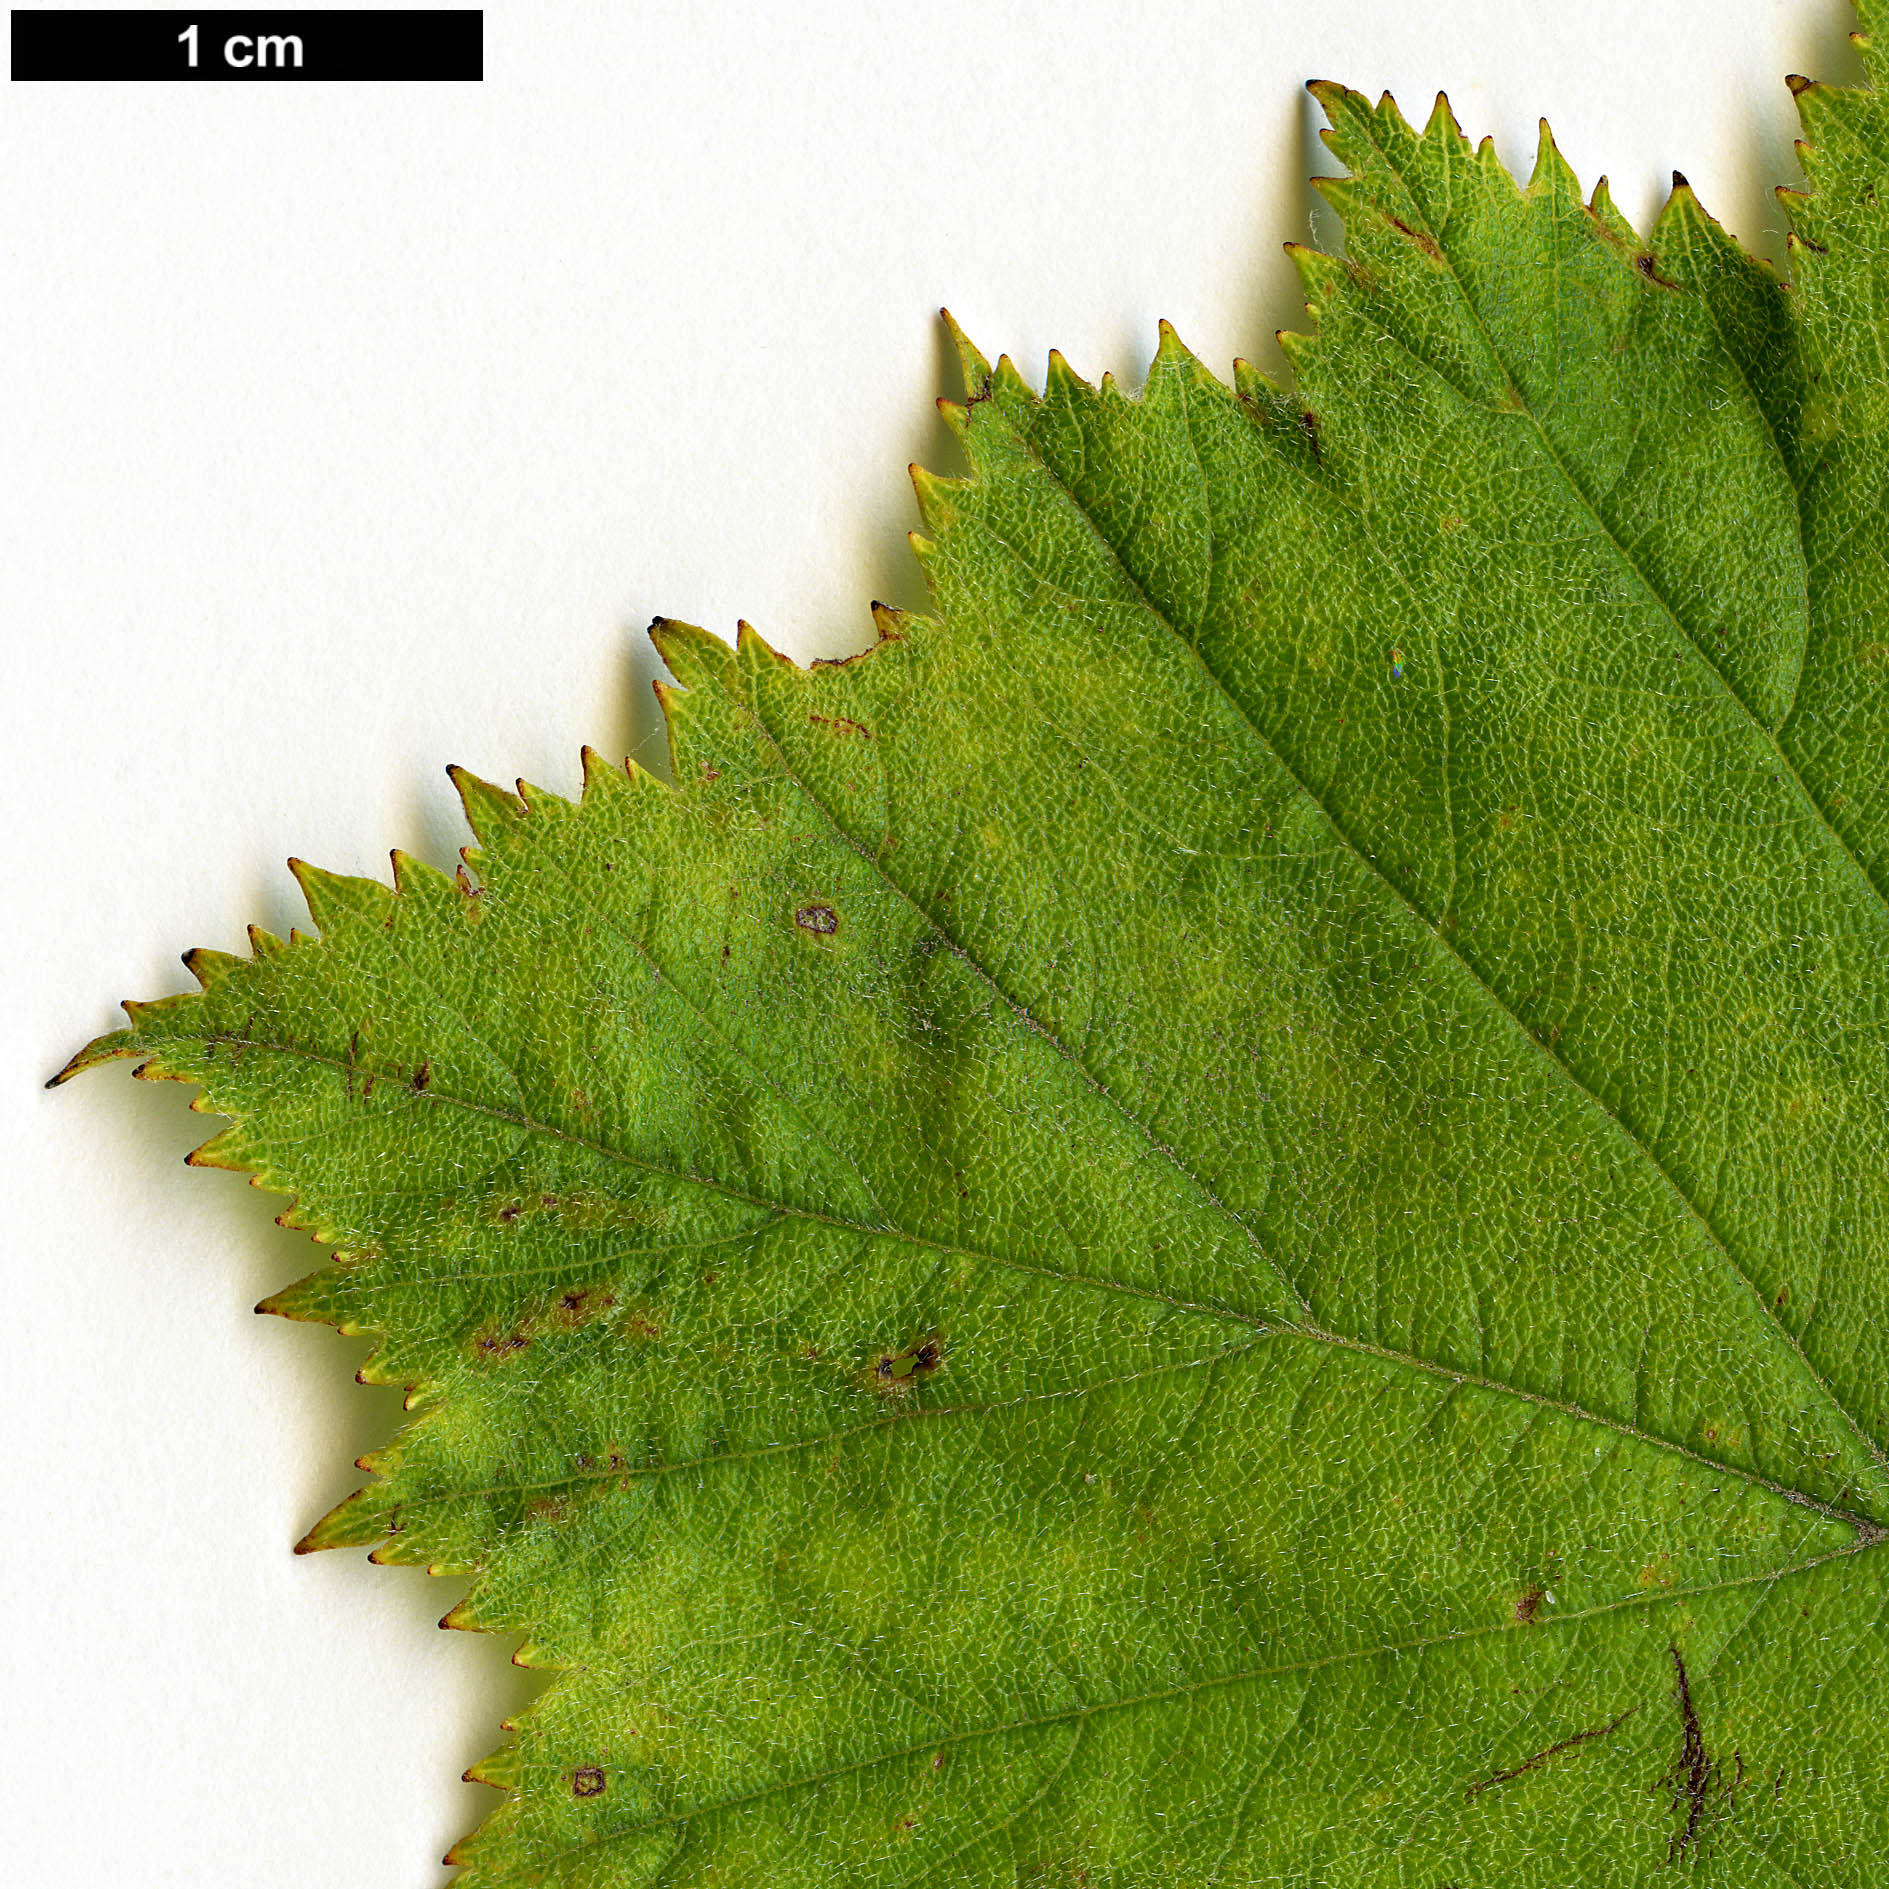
(956, 416)
(751, 646)
(1297, 345)
(307, 1301)
(334, 898)
(1609, 216)
(1871, 39)
(503, 1769)
(892, 623)
(604, 780)
(1258, 388)
(971, 363)
(102, 1049)
(416, 878)
(1170, 349)
(490, 811)
(206, 966)
(1319, 275)
(695, 657)
(1007, 383)
(1391, 114)
(540, 800)
(222, 1150)
(362, 1518)
(1061, 381)
(375, 1369)
(1442, 125)
(1552, 172)
(937, 505)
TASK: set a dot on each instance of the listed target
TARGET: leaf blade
(1087, 1255)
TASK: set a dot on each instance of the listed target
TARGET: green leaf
(1220, 1217)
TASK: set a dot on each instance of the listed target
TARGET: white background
(352, 430)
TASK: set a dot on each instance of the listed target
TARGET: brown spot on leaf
(1527, 1604)
(498, 1345)
(580, 1304)
(841, 725)
(822, 920)
(587, 1781)
(1422, 238)
(894, 1372)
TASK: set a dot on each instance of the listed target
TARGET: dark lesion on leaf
(1422, 238)
(840, 725)
(496, 1344)
(822, 920)
(1690, 1778)
(578, 1305)
(1539, 1758)
(587, 1781)
(895, 1372)
(642, 1324)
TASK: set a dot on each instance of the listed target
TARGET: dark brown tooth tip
(1679, 181)
(1798, 83)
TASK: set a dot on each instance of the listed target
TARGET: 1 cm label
(244, 50)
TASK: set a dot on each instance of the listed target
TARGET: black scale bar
(274, 46)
